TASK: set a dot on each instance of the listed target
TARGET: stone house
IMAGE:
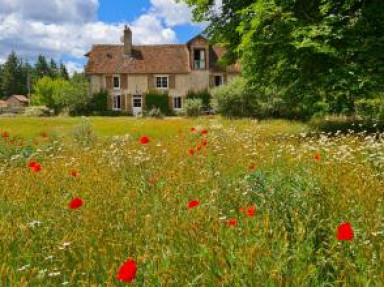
(129, 71)
(15, 101)
(3, 104)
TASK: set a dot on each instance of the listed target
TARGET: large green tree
(13, 77)
(313, 54)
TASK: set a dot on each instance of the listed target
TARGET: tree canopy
(316, 55)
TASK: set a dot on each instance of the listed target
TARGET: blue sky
(66, 29)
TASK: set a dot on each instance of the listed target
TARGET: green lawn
(271, 198)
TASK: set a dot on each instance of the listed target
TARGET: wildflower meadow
(189, 202)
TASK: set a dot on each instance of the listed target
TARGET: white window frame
(221, 80)
(162, 76)
(204, 61)
(114, 102)
(174, 103)
(113, 82)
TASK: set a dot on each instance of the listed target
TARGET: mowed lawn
(206, 202)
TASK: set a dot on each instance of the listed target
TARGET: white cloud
(68, 28)
(74, 67)
(171, 12)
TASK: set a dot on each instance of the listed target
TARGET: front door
(137, 104)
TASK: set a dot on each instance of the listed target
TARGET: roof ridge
(141, 46)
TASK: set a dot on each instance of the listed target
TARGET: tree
(312, 54)
(41, 67)
(53, 70)
(12, 77)
(63, 73)
(1, 82)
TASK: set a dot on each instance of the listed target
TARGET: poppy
(5, 135)
(198, 147)
(144, 140)
(252, 167)
(74, 173)
(204, 132)
(251, 211)
(345, 232)
(241, 210)
(127, 271)
(204, 142)
(191, 152)
(317, 157)
(192, 129)
(75, 203)
(44, 135)
(193, 204)
(34, 166)
(232, 222)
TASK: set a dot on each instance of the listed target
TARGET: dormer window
(199, 59)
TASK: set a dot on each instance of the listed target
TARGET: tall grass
(136, 196)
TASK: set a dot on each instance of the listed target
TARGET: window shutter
(151, 83)
(172, 81)
(108, 80)
(124, 81)
(123, 102)
(211, 81)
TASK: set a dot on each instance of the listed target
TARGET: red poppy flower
(75, 203)
(192, 129)
(34, 166)
(198, 147)
(345, 232)
(241, 210)
(252, 167)
(232, 222)
(44, 135)
(317, 157)
(191, 152)
(193, 204)
(144, 140)
(127, 271)
(251, 211)
(204, 142)
(204, 132)
(74, 173)
(5, 135)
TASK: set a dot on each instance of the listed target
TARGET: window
(116, 82)
(218, 81)
(177, 103)
(137, 101)
(199, 59)
(162, 82)
(116, 102)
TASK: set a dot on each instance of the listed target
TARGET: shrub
(98, 102)
(235, 99)
(204, 95)
(155, 113)
(154, 99)
(368, 108)
(193, 107)
(38, 111)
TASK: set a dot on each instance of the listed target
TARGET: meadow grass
(302, 185)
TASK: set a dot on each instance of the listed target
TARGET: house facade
(16, 101)
(129, 71)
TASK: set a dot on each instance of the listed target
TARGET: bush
(98, 102)
(154, 99)
(204, 95)
(193, 107)
(368, 108)
(155, 113)
(235, 99)
(38, 111)
(344, 124)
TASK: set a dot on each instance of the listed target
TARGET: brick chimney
(127, 41)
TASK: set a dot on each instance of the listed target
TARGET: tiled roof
(149, 59)
(20, 98)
